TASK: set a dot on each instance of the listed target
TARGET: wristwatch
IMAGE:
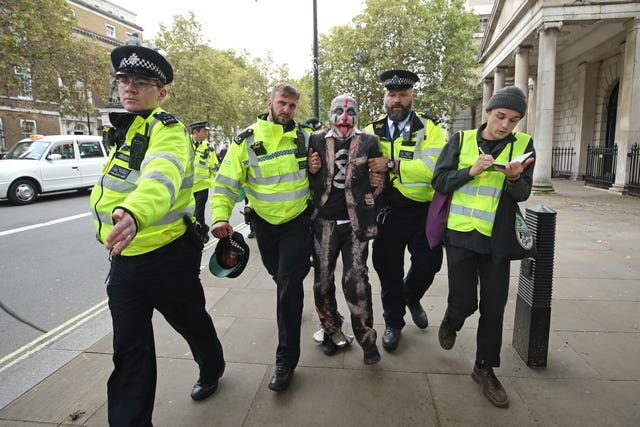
(391, 164)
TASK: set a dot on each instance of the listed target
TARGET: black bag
(511, 238)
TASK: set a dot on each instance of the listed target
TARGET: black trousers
(465, 267)
(167, 279)
(201, 202)
(404, 228)
(285, 250)
(329, 241)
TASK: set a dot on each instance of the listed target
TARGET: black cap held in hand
(510, 97)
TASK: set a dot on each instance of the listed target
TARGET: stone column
(487, 91)
(498, 78)
(586, 96)
(531, 107)
(628, 119)
(521, 79)
(545, 100)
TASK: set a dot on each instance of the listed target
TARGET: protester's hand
(378, 164)
(376, 179)
(221, 229)
(314, 161)
(123, 232)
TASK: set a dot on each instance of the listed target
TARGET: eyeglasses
(138, 84)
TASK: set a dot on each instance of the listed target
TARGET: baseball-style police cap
(201, 124)
(398, 79)
(141, 61)
(230, 256)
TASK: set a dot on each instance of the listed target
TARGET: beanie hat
(510, 97)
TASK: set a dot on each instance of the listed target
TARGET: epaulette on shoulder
(434, 119)
(166, 118)
(243, 135)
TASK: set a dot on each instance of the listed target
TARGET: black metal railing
(601, 166)
(634, 170)
(562, 162)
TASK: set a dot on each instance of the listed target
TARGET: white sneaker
(339, 338)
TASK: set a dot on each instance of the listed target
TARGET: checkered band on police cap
(143, 61)
(398, 79)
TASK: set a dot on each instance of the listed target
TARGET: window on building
(25, 89)
(79, 129)
(28, 128)
(110, 31)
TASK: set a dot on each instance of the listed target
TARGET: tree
(36, 35)
(433, 38)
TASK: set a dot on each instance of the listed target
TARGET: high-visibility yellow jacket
(205, 166)
(417, 148)
(271, 164)
(474, 205)
(159, 194)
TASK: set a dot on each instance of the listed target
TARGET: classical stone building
(579, 63)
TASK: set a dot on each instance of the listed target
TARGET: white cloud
(283, 27)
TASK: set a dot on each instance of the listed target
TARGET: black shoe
(251, 235)
(281, 378)
(371, 355)
(328, 346)
(491, 386)
(418, 315)
(203, 389)
(391, 338)
(446, 334)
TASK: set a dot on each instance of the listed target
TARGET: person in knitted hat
(466, 169)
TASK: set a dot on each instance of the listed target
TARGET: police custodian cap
(141, 61)
(398, 79)
(201, 124)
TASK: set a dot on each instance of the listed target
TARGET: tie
(396, 130)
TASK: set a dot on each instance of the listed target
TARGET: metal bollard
(533, 305)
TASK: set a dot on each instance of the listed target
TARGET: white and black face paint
(343, 115)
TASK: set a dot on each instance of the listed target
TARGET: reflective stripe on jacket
(418, 148)
(271, 167)
(158, 195)
(474, 205)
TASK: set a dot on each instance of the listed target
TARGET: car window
(31, 150)
(65, 149)
(90, 149)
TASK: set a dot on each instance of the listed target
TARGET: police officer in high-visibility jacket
(410, 143)
(269, 159)
(464, 169)
(143, 211)
(205, 168)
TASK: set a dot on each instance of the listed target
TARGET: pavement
(592, 375)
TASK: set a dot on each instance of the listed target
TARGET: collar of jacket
(490, 146)
(380, 125)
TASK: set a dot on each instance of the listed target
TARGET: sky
(283, 27)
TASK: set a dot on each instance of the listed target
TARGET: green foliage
(433, 38)
(37, 35)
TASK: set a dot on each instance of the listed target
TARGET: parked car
(49, 164)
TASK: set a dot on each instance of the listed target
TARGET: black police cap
(398, 79)
(200, 124)
(141, 61)
(230, 256)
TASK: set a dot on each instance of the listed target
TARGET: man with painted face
(411, 143)
(344, 220)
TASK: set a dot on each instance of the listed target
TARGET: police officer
(270, 160)
(143, 211)
(410, 143)
(205, 167)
